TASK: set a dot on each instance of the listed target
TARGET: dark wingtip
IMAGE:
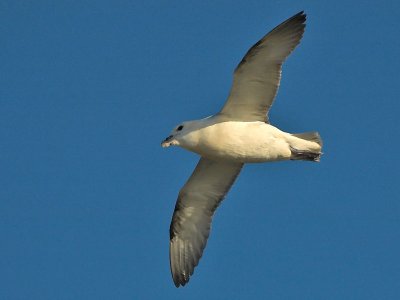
(300, 15)
(180, 281)
(177, 283)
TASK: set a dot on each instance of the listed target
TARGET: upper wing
(197, 202)
(256, 78)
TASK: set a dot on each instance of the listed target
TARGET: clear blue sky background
(89, 90)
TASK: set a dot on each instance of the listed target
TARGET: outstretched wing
(191, 222)
(256, 78)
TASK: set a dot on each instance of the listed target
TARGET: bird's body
(240, 133)
(244, 142)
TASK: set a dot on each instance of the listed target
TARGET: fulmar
(240, 133)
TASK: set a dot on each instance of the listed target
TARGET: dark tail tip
(304, 155)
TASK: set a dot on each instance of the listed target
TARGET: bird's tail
(310, 153)
(312, 136)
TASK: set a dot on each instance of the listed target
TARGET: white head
(182, 135)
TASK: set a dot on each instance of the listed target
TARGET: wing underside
(195, 207)
(257, 77)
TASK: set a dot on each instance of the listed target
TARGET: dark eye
(180, 127)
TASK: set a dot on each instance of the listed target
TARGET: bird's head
(177, 135)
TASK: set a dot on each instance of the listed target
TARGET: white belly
(243, 141)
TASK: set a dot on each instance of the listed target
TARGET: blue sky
(89, 90)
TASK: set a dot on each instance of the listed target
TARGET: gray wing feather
(191, 221)
(257, 77)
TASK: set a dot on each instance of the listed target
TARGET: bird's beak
(167, 142)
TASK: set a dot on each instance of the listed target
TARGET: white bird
(240, 133)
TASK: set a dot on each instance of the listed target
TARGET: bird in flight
(240, 133)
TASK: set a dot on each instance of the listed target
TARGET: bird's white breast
(240, 141)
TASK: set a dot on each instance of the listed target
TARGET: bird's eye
(180, 127)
